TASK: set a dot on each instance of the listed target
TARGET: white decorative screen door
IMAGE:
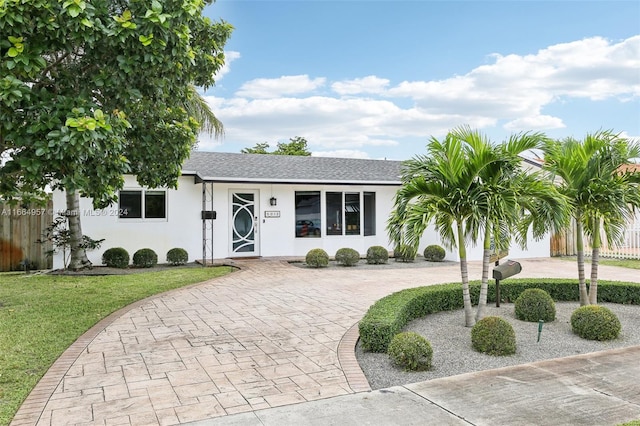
(244, 223)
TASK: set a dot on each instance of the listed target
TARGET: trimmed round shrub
(411, 351)
(405, 253)
(493, 336)
(377, 255)
(145, 258)
(116, 257)
(434, 253)
(347, 257)
(594, 322)
(535, 304)
(317, 258)
(177, 256)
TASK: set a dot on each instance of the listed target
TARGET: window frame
(369, 213)
(341, 227)
(307, 227)
(144, 203)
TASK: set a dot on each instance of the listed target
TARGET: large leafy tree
(603, 195)
(90, 91)
(296, 146)
(474, 190)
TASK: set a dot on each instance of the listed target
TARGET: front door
(244, 223)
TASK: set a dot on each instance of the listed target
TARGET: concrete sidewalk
(597, 389)
(273, 337)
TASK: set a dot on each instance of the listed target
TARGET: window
(352, 213)
(308, 214)
(155, 205)
(343, 213)
(142, 204)
(334, 213)
(369, 213)
(130, 204)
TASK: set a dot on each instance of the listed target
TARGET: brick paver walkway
(268, 335)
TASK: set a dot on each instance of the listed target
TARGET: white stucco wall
(276, 235)
(540, 248)
(181, 228)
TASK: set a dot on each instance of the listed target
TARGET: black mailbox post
(506, 270)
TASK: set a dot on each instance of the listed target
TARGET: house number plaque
(272, 213)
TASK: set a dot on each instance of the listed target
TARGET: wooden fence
(20, 228)
(564, 244)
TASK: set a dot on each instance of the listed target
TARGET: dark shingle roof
(269, 168)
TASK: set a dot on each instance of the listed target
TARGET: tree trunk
(584, 297)
(78, 258)
(464, 273)
(595, 259)
(482, 300)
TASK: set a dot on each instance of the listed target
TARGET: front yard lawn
(624, 263)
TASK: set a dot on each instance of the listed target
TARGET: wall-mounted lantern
(273, 201)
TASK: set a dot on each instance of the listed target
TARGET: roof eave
(214, 179)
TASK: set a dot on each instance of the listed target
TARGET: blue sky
(377, 79)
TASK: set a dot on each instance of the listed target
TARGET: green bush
(535, 304)
(347, 257)
(411, 351)
(594, 322)
(493, 336)
(434, 253)
(377, 255)
(177, 256)
(317, 258)
(387, 316)
(116, 257)
(145, 258)
(405, 253)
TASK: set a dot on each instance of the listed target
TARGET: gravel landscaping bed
(452, 352)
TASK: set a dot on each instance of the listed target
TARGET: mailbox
(208, 214)
(506, 270)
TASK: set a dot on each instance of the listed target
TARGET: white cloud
(270, 88)
(373, 114)
(341, 153)
(369, 84)
(635, 139)
(539, 122)
(229, 57)
(518, 87)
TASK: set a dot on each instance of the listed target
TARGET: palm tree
(603, 198)
(197, 107)
(511, 197)
(443, 187)
(470, 188)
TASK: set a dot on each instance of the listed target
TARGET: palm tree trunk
(595, 259)
(482, 300)
(464, 273)
(78, 258)
(584, 296)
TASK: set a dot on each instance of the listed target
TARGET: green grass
(42, 315)
(624, 263)
(632, 423)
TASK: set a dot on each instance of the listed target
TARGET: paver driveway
(265, 336)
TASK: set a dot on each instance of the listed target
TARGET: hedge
(386, 317)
